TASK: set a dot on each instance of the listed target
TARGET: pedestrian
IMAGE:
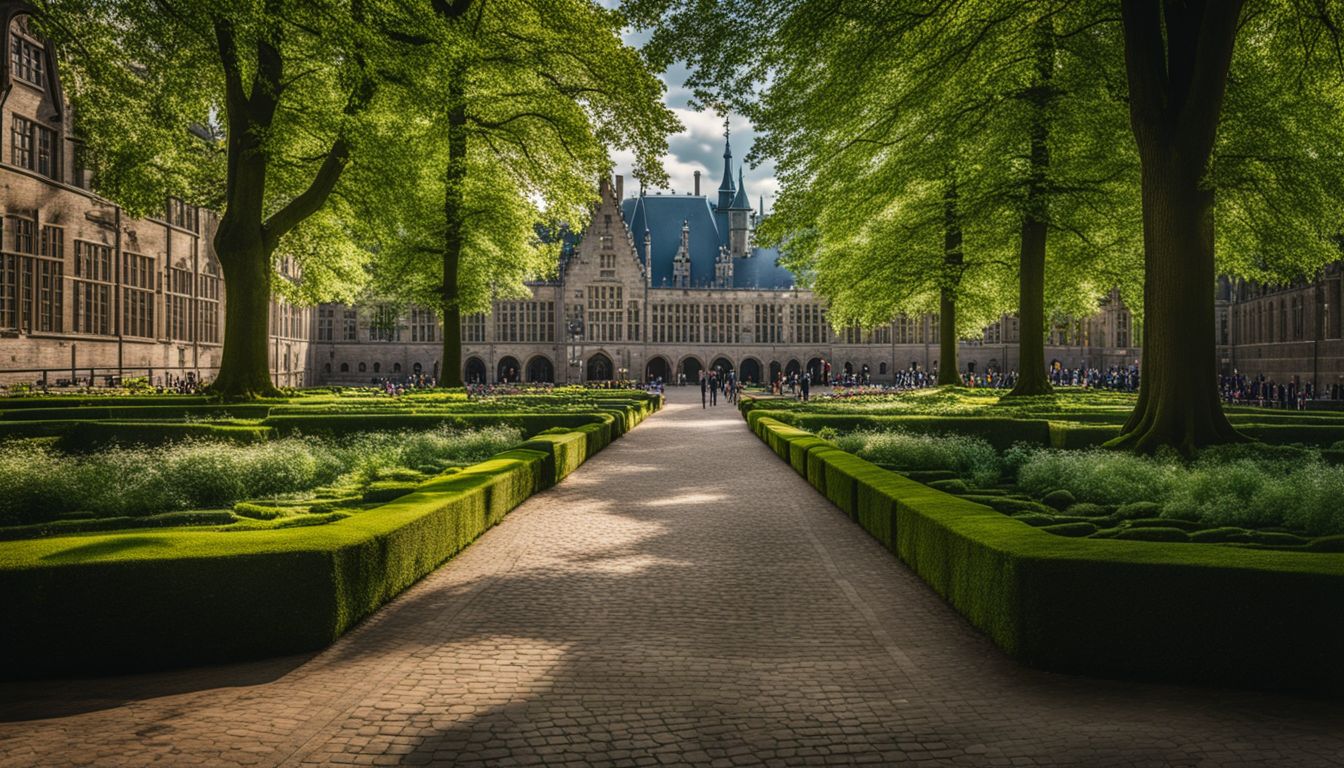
(704, 389)
(807, 386)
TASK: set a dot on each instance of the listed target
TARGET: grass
(973, 459)
(40, 484)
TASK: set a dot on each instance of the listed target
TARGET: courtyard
(682, 598)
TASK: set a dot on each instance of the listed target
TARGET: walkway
(683, 598)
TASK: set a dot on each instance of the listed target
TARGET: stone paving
(684, 598)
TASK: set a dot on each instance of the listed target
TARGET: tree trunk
(1031, 375)
(244, 370)
(953, 259)
(453, 225)
(1178, 396)
(947, 338)
(1177, 57)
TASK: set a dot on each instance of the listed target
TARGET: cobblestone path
(684, 598)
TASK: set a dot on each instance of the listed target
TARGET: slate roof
(662, 217)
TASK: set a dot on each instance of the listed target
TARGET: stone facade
(635, 329)
(86, 292)
(1287, 333)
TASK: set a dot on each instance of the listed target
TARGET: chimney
(620, 188)
(603, 186)
(697, 183)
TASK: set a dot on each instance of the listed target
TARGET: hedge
(154, 599)
(1134, 609)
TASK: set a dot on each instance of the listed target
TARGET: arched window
(882, 369)
(377, 367)
(345, 367)
(417, 368)
(363, 367)
(326, 368)
(396, 367)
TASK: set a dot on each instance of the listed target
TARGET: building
(1287, 333)
(666, 285)
(86, 292)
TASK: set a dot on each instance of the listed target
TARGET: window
(524, 321)
(178, 299)
(207, 299)
(93, 288)
(721, 323)
(349, 325)
(473, 327)
(605, 313)
(632, 321)
(424, 325)
(46, 152)
(809, 323)
(345, 367)
(33, 146)
(385, 325)
(326, 321)
(363, 367)
(20, 234)
(769, 324)
(182, 214)
(137, 280)
(26, 59)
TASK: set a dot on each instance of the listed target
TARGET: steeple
(740, 202)
(726, 189)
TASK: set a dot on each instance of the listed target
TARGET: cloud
(699, 146)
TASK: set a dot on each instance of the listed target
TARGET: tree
(1011, 90)
(273, 92)
(1183, 63)
(510, 111)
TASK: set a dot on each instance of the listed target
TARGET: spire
(726, 188)
(740, 201)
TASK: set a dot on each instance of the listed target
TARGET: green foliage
(1082, 605)
(40, 483)
(974, 459)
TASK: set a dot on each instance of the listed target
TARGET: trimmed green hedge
(1165, 611)
(154, 599)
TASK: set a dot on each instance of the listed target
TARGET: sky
(699, 146)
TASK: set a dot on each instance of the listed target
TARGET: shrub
(1098, 476)
(973, 459)
(1071, 529)
(1152, 534)
(38, 483)
(1087, 509)
(1059, 499)
(950, 486)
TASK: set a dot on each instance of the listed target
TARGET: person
(807, 386)
(704, 389)
(713, 389)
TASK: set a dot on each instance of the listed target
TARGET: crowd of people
(716, 383)
(1238, 389)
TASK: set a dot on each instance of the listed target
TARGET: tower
(726, 190)
(681, 263)
(739, 221)
(723, 269)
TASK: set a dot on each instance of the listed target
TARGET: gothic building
(663, 285)
(88, 293)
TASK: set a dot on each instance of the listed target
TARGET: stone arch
(775, 370)
(396, 367)
(657, 367)
(508, 369)
(417, 369)
(541, 370)
(814, 368)
(750, 370)
(363, 367)
(690, 366)
(791, 368)
(474, 370)
(721, 364)
(345, 367)
(599, 368)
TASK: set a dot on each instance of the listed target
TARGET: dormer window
(26, 57)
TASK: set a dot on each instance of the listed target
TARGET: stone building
(1287, 333)
(86, 292)
(663, 285)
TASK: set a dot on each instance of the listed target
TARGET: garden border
(108, 603)
(1173, 612)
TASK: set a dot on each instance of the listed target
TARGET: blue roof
(662, 216)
